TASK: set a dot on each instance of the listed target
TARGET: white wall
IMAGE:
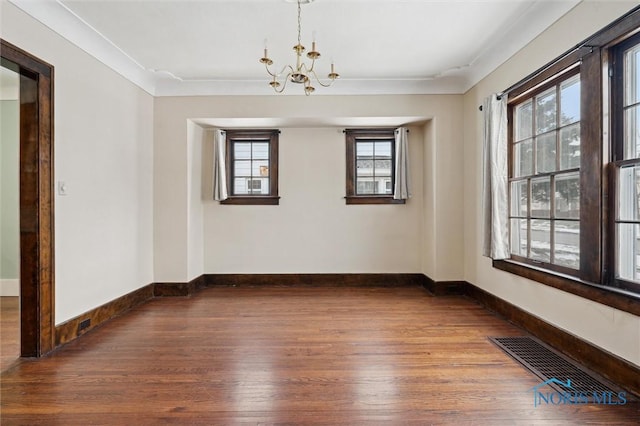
(312, 230)
(611, 329)
(9, 197)
(103, 150)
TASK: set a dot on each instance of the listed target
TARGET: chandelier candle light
(301, 73)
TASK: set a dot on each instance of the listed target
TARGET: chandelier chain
(299, 23)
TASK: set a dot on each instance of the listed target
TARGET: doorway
(9, 217)
(35, 194)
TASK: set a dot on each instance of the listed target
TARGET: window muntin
(544, 184)
(370, 166)
(252, 166)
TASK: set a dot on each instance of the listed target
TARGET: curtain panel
(401, 190)
(220, 192)
(495, 208)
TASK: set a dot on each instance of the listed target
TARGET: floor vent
(547, 364)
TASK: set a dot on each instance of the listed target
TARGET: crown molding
(68, 25)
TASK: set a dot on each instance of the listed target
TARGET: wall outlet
(84, 324)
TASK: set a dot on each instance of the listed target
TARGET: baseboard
(316, 280)
(594, 358)
(71, 329)
(9, 287)
(177, 289)
(445, 288)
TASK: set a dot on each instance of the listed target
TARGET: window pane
(541, 197)
(629, 193)
(541, 240)
(546, 111)
(632, 76)
(385, 186)
(632, 133)
(524, 121)
(242, 150)
(240, 186)
(242, 168)
(566, 250)
(364, 149)
(568, 196)
(364, 167)
(261, 151)
(546, 153)
(260, 168)
(628, 251)
(365, 186)
(383, 167)
(383, 149)
(519, 198)
(570, 101)
(570, 147)
(523, 159)
(519, 237)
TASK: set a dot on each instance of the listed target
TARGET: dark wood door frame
(37, 323)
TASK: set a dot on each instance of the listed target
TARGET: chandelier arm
(284, 85)
(318, 80)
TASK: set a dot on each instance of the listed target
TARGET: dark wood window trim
(272, 198)
(37, 302)
(610, 296)
(594, 281)
(351, 137)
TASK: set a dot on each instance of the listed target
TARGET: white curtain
(495, 179)
(401, 190)
(219, 166)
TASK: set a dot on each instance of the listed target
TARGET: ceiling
(208, 47)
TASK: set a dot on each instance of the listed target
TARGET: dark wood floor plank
(290, 356)
(9, 331)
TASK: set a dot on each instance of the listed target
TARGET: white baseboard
(9, 287)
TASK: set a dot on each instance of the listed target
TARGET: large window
(574, 169)
(252, 171)
(626, 163)
(370, 166)
(545, 176)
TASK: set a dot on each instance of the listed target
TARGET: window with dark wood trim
(370, 166)
(544, 175)
(624, 226)
(582, 173)
(252, 167)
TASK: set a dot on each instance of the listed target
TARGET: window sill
(610, 296)
(266, 200)
(380, 199)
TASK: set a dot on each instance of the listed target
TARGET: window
(252, 166)
(544, 182)
(370, 166)
(574, 169)
(626, 164)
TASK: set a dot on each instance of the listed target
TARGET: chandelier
(301, 73)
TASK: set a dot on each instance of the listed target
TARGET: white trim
(67, 24)
(9, 287)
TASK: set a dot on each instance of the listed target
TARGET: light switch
(63, 189)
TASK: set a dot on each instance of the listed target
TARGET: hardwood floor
(9, 331)
(265, 355)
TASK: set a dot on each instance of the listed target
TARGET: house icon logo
(556, 392)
